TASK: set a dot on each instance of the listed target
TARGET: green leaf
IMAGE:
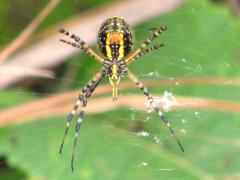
(201, 40)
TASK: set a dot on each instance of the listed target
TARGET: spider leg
(145, 51)
(152, 48)
(80, 44)
(153, 36)
(87, 88)
(143, 46)
(88, 91)
(157, 108)
(78, 125)
(69, 119)
(73, 44)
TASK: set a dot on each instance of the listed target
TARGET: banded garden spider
(115, 43)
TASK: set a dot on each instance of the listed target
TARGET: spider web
(134, 144)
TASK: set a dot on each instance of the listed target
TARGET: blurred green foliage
(16, 15)
(201, 40)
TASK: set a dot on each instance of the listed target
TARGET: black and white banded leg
(82, 100)
(144, 45)
(81, 114)
(80, 44)
(145, 51)
(156, 108)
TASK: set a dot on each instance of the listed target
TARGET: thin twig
(97, 105)
(27, 32)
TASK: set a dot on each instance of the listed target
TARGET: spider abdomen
(115, 38)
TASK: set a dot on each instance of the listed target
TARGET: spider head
(115, 38)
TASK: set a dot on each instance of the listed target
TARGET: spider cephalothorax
(115, 44)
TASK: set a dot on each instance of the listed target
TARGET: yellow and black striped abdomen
(115, 38)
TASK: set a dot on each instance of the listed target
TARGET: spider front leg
(78, 125)
(86, 92)
(156, 108)
(84, 99)
(144, 46)
(69, 120)
(144, 51)
(80, 44)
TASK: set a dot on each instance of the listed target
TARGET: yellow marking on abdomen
(115, 38)
(121, 48)
(108, 49)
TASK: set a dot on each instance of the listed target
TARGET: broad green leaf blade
(201, 40)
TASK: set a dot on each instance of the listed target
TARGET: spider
(115, 43)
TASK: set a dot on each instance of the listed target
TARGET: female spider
(115, 43)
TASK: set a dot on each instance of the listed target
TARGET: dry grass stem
(62, 103)
(27, 32)
(18, 70)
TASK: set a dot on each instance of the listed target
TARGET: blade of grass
(27, 32)
(50, 105)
